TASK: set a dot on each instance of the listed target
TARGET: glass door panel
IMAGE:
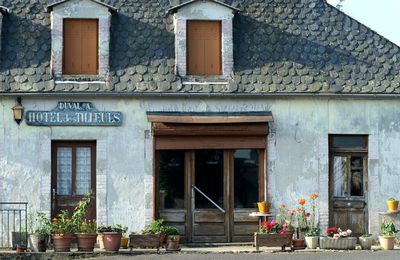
(340, 176)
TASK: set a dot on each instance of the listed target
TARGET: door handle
(53, 201)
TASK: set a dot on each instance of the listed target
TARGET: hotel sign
(73, 114)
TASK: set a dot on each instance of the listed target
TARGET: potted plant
(312, 234)
(85, 229)
(111, 236)
(151, 236)
(39, 238)
(272, 233)
(392, 204)
(338, 239)
(301, 226)
(124, 239)
(388, 231)
(366, 241)
(263, 206)
(173, 238)
(62, 232)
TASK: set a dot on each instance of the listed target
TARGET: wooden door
(73, 175)
(209, 196)
(348, 179)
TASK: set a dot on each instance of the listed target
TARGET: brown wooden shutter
(204, 47)
(80, 46)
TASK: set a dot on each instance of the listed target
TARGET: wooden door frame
(73, 144)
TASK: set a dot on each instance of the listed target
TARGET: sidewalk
(186, 249)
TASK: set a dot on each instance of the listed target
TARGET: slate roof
(280, 46)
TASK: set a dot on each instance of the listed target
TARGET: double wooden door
(73, 175)
(208, 194)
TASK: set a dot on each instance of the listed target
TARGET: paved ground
(350, 255)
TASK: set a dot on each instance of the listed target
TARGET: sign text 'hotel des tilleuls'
(73, 114)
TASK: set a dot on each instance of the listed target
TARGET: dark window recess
(171, 172)
(209, 172)
(348, 142)
(246, 180)
(80, 46)
(356, 184)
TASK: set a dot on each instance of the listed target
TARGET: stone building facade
(319, 89)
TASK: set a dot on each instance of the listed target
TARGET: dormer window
(80, 37)
(204, 38)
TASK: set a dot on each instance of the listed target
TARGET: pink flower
(273, 222)
(336, 236)
(349, 232)
(281, 231)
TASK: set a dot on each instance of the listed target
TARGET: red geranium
(331, 231)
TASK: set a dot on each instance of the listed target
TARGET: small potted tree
(387, 238)
(85, 229)
(173, 238)
(39, 238)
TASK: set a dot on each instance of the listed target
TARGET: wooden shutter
(204, 47)
(80, 46)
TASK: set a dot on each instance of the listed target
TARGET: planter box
(343, 243)
(273, 240)
(144, 241)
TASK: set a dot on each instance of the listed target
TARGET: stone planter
(281, 240)
(386, 242)
(144, 241)
(366, 242)
(38, 243)
(312, 242)
(343, 243)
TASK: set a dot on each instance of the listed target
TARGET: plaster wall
(297, 152)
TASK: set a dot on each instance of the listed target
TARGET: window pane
(356, 187)
(340, 176)
(349, 142)
(246, 164)
(64, 171)
(83, 170)
(171, 173)
(209, 178)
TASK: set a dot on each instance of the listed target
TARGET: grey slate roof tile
(279, 46)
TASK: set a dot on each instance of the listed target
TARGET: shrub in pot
(173, 238)
(111, 236)
(387, 238)
(156, 227)
(62, 232)
(85, 230)
(39, 238)
(312, 237)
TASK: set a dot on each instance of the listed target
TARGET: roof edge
(4, 9)
(175, 8)
(50, 6)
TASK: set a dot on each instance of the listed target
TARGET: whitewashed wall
(297, 159)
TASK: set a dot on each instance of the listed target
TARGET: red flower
(308, 215)
(331, 231)
(302, 201)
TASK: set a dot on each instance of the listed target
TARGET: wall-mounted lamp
(18, 111)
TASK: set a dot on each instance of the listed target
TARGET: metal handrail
(210, 200)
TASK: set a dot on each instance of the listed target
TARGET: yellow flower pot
(124, 242)
(263, 206)
(392, 205)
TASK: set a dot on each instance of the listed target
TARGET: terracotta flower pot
(298, 244)
(173, 243)
(86, 242)
(112, 241)
(387, 242)
(392, 205)
(62, 242)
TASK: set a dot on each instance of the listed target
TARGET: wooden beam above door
(209, 117)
